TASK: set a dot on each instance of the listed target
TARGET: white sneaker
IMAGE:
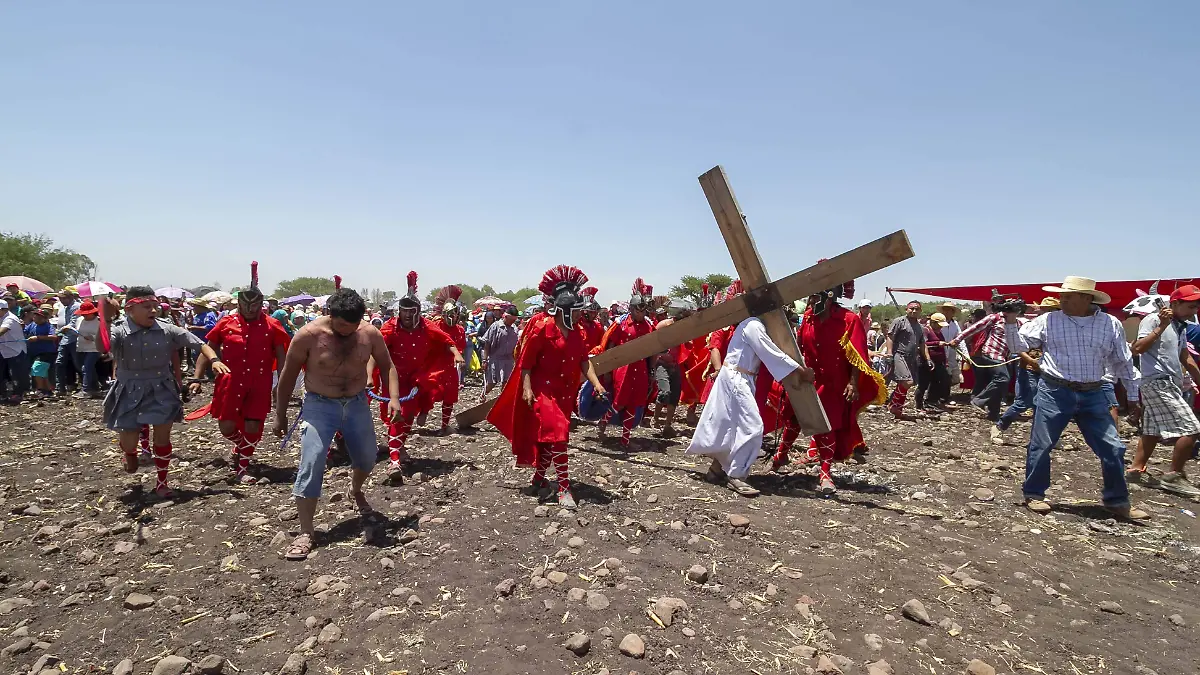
(997, 435)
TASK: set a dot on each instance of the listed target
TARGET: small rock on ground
(977, 667)
(579, 644)
(915, 611)
(632, 645)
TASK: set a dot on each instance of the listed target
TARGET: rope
(288, 437)
(967, 357)
(384, 399)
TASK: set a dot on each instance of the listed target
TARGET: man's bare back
(336, 365)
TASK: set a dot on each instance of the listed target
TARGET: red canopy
(1122, 292)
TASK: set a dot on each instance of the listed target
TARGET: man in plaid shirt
(1166, 414)
(1079, 345)
(999, 331)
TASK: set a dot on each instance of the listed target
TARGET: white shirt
(1082, 348)
(12, 343)
(85, 330)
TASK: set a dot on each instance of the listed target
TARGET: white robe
(950, 332)
(730, 428)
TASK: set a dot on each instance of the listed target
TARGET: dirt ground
(461, 573)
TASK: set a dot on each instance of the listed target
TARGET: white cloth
(89, 335)
(730, 428)
(12, 343)
(949, 332)
(1082, 348)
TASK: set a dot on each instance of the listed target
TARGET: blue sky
(484, 142)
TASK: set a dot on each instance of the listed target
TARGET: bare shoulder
(310, 332)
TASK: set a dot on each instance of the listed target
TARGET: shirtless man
(334, 351)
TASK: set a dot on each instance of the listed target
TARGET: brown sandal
(300, 549)
(360, 501)
(742, 487)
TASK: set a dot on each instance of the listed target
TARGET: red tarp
(1122, 292)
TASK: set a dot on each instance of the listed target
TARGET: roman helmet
(562, 284)
(409, 314)
(705, 301)
(589, 296)
(446, 304)
(250, 300)
(821, 301)
(642, 296)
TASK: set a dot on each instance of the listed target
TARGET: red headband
(138, 301)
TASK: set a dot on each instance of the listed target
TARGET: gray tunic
(907, 338)
(145, 391)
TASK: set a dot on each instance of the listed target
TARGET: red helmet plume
(337, 283)
(562, 275)
(450, 293)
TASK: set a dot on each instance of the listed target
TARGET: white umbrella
(490, 301)
(92, 289)
(217, 297)
(319, 301)
(534, 300)
(174, 292)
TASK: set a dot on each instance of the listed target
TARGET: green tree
(36, 256)
(314, 286)
(690, 286)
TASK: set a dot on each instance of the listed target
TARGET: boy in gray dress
(146, 391)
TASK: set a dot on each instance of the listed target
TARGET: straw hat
(199, 302)
(1049, 303)
(939, 319)
(949, 305)
(1081, 285)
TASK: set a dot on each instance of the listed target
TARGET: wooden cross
(763, 298)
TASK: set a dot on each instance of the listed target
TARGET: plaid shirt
(1082, 348)
(995, 343)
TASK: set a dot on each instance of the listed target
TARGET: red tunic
(417, 355)
(248, 348)
(448, 382)
(828, 345)
(593, 332)
(631, 383)
(693, 357)
(718, 340)
(555, 364)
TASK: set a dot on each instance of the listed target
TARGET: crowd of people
(1065, 359)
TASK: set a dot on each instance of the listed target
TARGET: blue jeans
(1055, 407)
(995, 387)
(1027, 382)
(66, 365)
(322, 418)
(91, 383)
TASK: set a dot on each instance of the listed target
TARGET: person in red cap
(416, 345)
(85, 326)
(534, 411)
(253, 346)
(1165, 412)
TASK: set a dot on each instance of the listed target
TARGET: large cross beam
(765, 297)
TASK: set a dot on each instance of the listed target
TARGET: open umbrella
(217, 297)
(91, 289)
(27, 284)
(320, 300)
(302, 299)
(490, 301)
(534, 300)
(174, 292)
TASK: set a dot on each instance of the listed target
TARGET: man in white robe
(949, 332)
(731, 428)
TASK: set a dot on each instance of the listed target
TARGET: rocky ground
(924, 562)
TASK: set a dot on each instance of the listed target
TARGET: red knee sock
(825, 446)
(627, 426)
(144, 438)
(246, 450)
(541, 463)
(447, 412)
(162, 460)
(558, 457)
(397, 434)
(899, 396)
(790, 434)
(238, 439)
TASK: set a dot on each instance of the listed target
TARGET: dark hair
(347, 305)
(978, 314)
(139, 292)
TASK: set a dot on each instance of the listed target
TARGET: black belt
(1073, 386)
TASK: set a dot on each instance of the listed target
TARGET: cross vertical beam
(749, 265)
